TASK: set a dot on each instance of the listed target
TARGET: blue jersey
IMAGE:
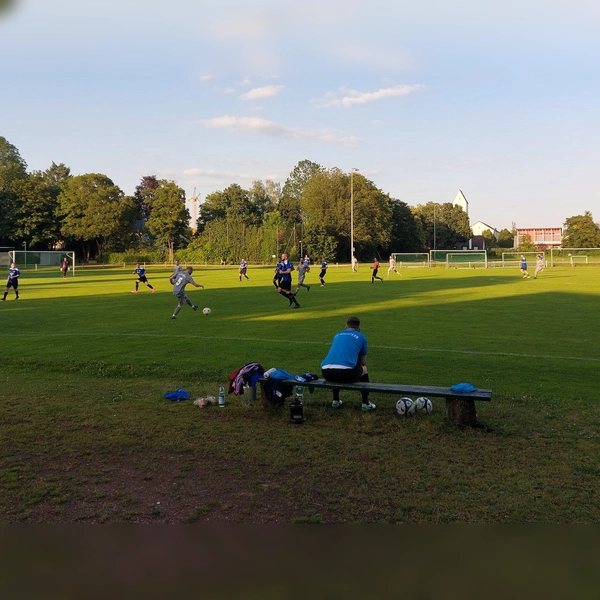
(243, 264)
(140, 271)
(523, 263)
(285, 266)
(324, 265)
(13, 274)
(346, 349)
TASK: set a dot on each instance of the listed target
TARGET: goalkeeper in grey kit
(181, 279)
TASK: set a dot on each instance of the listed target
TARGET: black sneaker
(308, 288)
(297, 306)
(195, 307)
(173, 317)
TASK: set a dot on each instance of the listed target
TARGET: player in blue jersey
(523, 267)
(12, 281)
(243, 268)
(346, 361)
(284, 277)
(141, 273)
(323, 271)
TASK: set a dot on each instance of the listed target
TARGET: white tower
(461, 201)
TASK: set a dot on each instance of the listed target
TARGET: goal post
(42, 259)
(574, 256)
(411, 259)
(466, 259)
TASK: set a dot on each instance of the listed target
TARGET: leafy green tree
(525, 244)
(264, 197)
(94, 210)
(36, 218)
(580, 231)
(169, 218)
(326, 202)
(506, 239)
(144, 194)
(443, 225)
(290, 205)
(56, 175)
(490, 239)
(406, 234)
(13, 169)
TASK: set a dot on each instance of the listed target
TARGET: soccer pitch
(86, 365)
(438, 327)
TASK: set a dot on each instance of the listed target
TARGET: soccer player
(523, 267)
(177, 268)
(346, 361)
(323, 271)
(181, 280)
(303, 269)
(392, 266)
(375, 268)
(539, 265)
(354, 264)
(284, 276)
(12, 281)
(64, 267)
(243, 267)
(141, 273)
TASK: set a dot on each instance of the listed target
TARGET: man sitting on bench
(346, 361)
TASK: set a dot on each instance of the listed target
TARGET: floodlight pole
(434, 226)
(352, 171)
(25, 246)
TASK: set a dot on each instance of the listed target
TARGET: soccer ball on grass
(206, 311)
(404, 407)
(423, 405)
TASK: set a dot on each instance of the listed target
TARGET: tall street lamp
(353, 170)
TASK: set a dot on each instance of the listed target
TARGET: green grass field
(87, 435)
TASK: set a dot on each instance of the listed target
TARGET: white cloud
(264, 127)
(266, 91)
(352, 97)
(245, 125)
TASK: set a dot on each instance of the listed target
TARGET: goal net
(44, 259)
(411, 259)
(466, 259)
(513, 259)
(574, 256)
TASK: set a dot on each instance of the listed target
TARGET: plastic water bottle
(221, 395)
(268, 373)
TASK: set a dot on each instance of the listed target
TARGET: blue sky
(498, 99)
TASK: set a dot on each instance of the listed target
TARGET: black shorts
(286, 285)
(343, 375)
(12, 284)
(322, 273)
(143, 279)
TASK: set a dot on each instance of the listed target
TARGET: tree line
(317, 212)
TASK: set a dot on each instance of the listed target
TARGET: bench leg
(461, 411)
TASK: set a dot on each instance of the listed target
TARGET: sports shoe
(3, 299)
(153, 290)
(296, 306)
(336, 403)
(367, 407)
(308, 288)
(195, 307)
(134, 291)
(173, 317)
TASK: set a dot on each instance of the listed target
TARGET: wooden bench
(460, 408)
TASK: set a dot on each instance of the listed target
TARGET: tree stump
(461, 411)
